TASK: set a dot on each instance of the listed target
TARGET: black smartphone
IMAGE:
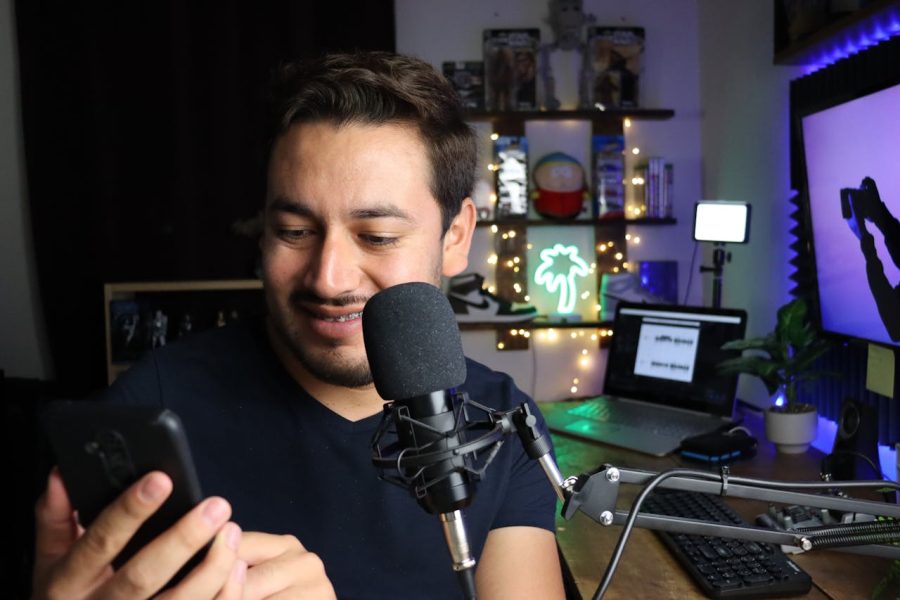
(102, 448)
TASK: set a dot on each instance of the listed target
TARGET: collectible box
(467, 78)
(510, 68)
(511, 159)
(616, 60)
(608, 176)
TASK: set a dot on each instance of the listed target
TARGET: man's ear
(458, 240)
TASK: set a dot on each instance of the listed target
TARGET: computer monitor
(852, 158)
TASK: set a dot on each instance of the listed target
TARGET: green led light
(559, 267)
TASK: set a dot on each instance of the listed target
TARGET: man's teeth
(343, 318)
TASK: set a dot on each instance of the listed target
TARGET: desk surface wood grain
(647, 569)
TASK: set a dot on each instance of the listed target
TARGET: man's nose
(335, 271)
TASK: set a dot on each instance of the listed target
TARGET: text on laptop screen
(668, 355)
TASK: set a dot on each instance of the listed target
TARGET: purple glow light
(780, 399)
(875, 32)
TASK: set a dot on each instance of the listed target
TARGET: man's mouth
(342, 318)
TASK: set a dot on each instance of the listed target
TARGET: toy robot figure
(185, 326)
(567, 18)
(159, 325)
(129, 328)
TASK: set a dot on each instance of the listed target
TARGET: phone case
(103, 448)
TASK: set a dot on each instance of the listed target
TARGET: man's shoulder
(220, 349)
(491, 387)
(220, 341)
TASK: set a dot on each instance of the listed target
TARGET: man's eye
(294, 234)
(378, 240)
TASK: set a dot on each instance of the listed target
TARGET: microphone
(415, 355)
(416, 358)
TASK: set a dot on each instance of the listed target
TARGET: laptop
(661, 384)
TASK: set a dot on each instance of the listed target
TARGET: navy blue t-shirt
(289, 465)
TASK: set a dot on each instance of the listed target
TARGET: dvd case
(616, 59)
(510, 68)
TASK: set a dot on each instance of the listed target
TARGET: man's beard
(326, 365)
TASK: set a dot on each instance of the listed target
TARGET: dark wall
(144, 142)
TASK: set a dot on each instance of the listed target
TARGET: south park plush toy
(559, 186)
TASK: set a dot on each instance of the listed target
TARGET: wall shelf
(511, 247)
(536, 324)
(575, 222)
(188, 306)
(602, 121)
(820, 45)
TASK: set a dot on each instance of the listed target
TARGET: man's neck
(352, 404)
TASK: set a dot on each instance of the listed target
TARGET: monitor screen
(852, 154)
(669, 354)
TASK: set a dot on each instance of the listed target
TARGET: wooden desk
(647, 569)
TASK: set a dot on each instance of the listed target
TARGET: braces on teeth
(347, 317)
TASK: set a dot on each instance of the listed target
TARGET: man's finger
(111, 530)
(220, 575)
(157, 562)
(234, 589)
(56, 530)
(258, 547)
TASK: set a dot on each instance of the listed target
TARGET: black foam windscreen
(412, 341)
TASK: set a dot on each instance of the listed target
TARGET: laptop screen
(668, 355)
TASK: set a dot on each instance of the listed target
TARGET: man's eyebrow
(283, 205)
(386, 211)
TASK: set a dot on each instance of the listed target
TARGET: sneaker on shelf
(472, 303)
(627, 287)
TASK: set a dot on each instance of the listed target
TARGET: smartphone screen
(103, 448)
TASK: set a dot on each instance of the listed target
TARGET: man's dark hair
(375, 88)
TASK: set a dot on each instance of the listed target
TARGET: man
(368, 184)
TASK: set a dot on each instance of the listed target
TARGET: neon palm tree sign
(559, 267)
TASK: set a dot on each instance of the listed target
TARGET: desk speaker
(855, 451)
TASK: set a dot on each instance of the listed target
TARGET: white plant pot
(792, 433)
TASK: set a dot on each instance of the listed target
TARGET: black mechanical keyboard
(722, 567)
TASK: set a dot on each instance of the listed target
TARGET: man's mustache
(305, 298)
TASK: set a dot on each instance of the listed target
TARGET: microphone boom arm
(596, 493)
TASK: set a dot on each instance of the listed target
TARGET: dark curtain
(144, 142)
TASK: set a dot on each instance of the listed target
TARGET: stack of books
(653, 187)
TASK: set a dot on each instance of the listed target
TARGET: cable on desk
(649, 487)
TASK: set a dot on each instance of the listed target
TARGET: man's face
(349, 212)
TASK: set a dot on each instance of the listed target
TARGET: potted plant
(782, 360)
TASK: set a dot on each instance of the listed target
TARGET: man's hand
(74, 563)
(279, 564)
(856, 221)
